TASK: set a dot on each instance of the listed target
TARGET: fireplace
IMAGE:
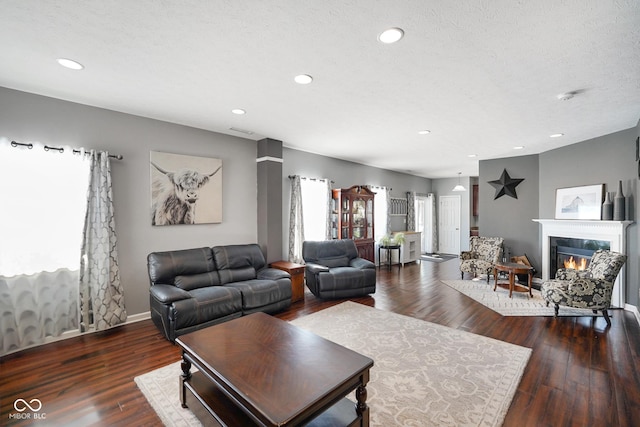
(567, 252)
(612, 233)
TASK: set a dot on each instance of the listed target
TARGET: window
(45, 196)
(315, 199)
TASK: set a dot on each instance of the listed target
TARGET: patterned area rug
(423, 375)
(520, 304)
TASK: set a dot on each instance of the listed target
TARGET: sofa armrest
(577, 288)
(272, 274)
(166, 294)
(361, 263)
(316, 268)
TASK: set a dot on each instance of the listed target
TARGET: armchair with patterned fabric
(591, 288)
(483, 254)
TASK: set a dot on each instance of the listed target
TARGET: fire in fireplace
(573, 253)
(576, 265)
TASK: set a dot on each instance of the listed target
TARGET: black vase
(619, 204)
(607, 208)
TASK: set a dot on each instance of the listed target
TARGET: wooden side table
(512, 269)
(297, 277)
(388, 249)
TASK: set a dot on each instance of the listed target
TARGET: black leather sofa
(195, 288)
(334, 270)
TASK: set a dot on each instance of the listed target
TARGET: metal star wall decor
(506, 185)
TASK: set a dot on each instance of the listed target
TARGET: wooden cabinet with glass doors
(352, 218)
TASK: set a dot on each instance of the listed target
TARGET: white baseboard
(138, 317)
(634, 310)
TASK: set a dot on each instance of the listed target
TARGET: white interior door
(449, 224)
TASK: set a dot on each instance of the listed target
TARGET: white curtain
(44, 196)
(381, 218)
(310, 211)
(101, 293)
(425, 222)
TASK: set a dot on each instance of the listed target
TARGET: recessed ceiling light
(303, 79)
(238, 111)
(556, 135)
(472, 155)
(70, 63)
(424, 132)
(391, 35)
(519, 147)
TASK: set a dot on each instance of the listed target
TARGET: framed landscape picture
(583, 202)
(185, 189)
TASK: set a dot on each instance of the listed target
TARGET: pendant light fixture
(459, 187)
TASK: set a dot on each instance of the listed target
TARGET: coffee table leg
(361, 406)
(186, 374)
(530, 282)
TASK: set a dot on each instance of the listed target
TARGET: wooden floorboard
(581, 373)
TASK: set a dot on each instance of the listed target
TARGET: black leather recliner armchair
(334, 270)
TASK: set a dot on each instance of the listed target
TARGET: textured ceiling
(482, 75)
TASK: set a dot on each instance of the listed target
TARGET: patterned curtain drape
(296, 222)
(411, 211)
(101, 293)
(434, 225)
(388, 224)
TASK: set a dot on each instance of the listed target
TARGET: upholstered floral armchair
(483, 254)
(591, 288)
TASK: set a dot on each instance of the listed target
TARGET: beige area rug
(423, 375)
(520, 304)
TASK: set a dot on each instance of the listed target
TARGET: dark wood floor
(580, 372)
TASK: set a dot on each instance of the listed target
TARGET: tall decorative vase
(607, 208)
(619, 204)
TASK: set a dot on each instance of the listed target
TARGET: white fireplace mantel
(612, 231)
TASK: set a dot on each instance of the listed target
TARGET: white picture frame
(584, 202)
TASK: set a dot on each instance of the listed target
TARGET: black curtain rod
(312, 179)
(58, 149)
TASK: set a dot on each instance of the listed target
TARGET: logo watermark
(27, 410)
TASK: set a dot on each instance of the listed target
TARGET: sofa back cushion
(330, 253)
(195, 281)
(237, 263)
(186, 269)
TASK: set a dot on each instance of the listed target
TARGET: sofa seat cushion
(346, 278)
(259, 293)
(206, 304)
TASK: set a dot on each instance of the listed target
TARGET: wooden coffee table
(260, 370)
(512, 269)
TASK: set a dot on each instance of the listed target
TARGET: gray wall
(604, 160)
(509, 217)
(443, 187)
(344, 174)
(28, 117)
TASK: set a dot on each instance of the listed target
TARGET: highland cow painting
(185, 189)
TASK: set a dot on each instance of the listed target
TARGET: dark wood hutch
(352, 218)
